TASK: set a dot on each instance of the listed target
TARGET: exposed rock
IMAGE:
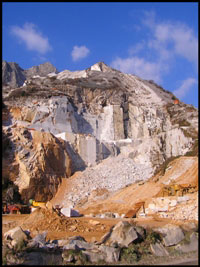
(99, 112)
(172, 234)
(40, 239)
(15, 76)
(123, 234)
(16, 234)
(12, 74)
(112, 254)
(158, 250)
(94, 256)
(69, 212)
(79, 244)
(42, 164)
(192, 246)
(41, 70)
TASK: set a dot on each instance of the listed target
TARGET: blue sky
(156, 41)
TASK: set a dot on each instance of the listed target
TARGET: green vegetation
(129, 254)
(136, 251)
(152, 237)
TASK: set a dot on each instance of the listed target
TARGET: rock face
(93, 114)
(14, 76)
(123, 234)
(172, 234)
(41, 70)
(41, 161)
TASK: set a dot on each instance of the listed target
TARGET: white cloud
(79, 52)
(140, 67)
(33, 39)
(185, 87)
(135, 49)
(154, 56)
(172, 38)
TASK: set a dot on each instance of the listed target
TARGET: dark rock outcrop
(14, 76)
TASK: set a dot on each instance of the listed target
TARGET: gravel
(112, 174)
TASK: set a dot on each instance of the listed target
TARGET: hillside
(115, 128)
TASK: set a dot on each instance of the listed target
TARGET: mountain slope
(100, 114)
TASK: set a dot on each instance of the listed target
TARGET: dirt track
(89, 227)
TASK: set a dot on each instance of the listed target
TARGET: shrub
(152, 237)
(129, 254)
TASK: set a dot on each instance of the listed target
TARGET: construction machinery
(133, 212)
(178, 189)
(16, 209)
(37, 203)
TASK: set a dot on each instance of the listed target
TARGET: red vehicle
(16, 209)
(13, 209)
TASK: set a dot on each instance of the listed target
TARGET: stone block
(158, 250)
(112, 254)
(69, 212)
(16, 234)
(172, 234)
(123, 233)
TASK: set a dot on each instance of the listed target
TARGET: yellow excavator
(37, 203)
(178, 189)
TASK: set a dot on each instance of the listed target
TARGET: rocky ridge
(96, 113)
(14, 76)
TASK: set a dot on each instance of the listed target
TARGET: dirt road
(91, 228)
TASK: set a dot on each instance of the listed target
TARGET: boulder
(38, 241)
(172, 234)
(69, 212)
(192, 246)
(94, 256)
(123, 234)
(79, 245)
(158, 249)
(112, 254)
(62, 242)
(68, 257)
(16, 234)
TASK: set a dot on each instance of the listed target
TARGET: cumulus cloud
(32, 38)
(172, 38)
(79, 52)
(154, 56)
(185, 87)
(139, 66)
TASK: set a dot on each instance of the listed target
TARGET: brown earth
(183, 169)
(93, 228)
(61, 228)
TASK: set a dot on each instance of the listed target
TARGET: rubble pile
(186, 211)
(48, 220)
